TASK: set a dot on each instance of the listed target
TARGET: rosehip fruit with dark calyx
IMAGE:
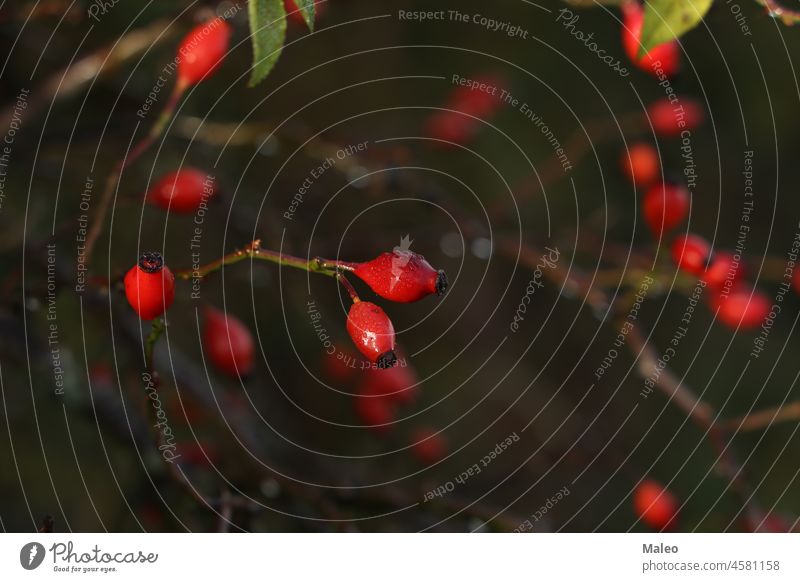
(402, 276)
(372, 332)
(228, 343)
(690, 253)
(640, 164)
(182, 191)
(664, 207)
(202, 50)
(665, 56)
(655, 505)
(150, 286)
(742, 307)
(429, 446)
(671, 119)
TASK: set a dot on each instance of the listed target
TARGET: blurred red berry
(150, 286)
(228, 343)
(202, 50)
(293, 14)
(723, 271)
(742, 307)
(429, 446)
(670, 119)
(182, 191)
(376, 412)
(340, 366)
(690, 253)
(664, 56)
(655, 505)
(399, 384)
(481, 98)
(640, 164)
(664, 207)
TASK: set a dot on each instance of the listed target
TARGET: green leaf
(306, 8)
(666, 20)
(267, 31)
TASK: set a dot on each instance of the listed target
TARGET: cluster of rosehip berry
(665, 206)
(401, 275)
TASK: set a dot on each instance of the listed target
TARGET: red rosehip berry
(372, 332)
(742, 307)
(670, 119)
(202, 50)
(655, 505)
(340, 366)
(228, 343)
(480, 99)
(293, 14)
(150, 286)
(429, 446)
(375, 411)
(402, 276)
(182, 191)
(690, 253)
(640, 164)
(667, 54)
(451, 126)
(723, 271)
(398, 384)
(664, 207)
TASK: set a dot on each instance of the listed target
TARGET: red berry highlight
(182, 191)
(150, 286)
(228, 343)
(202, 50)
(655, 505)
(640, 164)
(429, 446)
(690, 252)
(402, 276)
(372, 332)
(742, 307)
(664, 207)
(670, 119)
(664, 56)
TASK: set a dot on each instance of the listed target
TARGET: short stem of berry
(159, 326)
(336, 265)
(255, 252)
(348, 286)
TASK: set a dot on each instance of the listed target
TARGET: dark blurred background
(286, 443)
